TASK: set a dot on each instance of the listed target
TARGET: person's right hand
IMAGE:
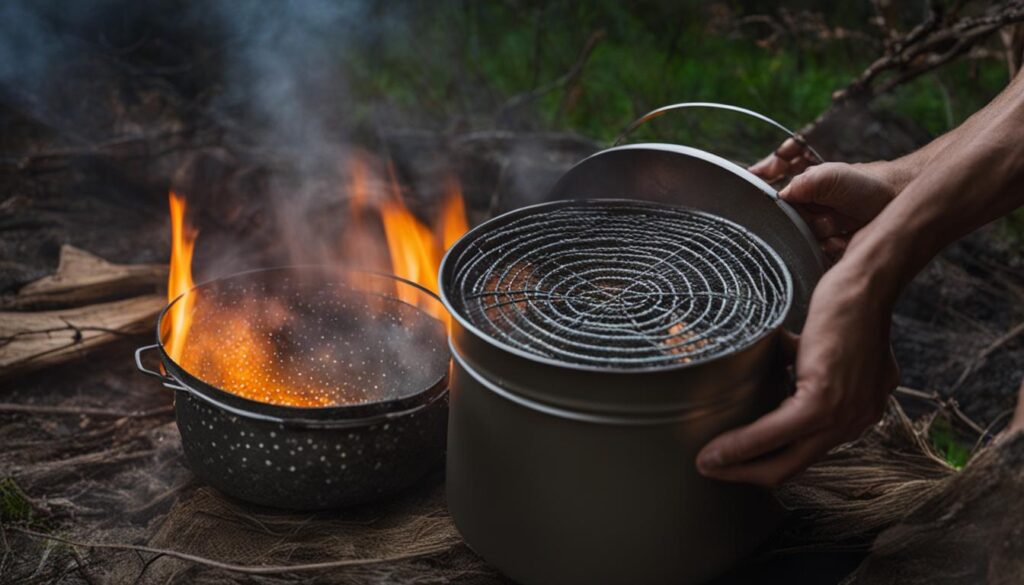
(837, 199)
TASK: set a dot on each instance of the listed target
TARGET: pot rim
(447, 260)
(358, 414)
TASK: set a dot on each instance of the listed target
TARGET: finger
(776, 468)
(788, 159)
(789, 149)
(825, 225)
(790, 421)
(798, 164)
(770, 168)
(1017, 422)
(814, 186)
(835, 247)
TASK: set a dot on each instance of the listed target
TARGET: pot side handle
(139, 366)
(716, 106)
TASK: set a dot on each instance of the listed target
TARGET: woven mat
(933, 524)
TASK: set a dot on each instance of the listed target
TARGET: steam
(285, 78)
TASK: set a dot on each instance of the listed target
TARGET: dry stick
(565, 80)
(988, 429)
(160, 499)
(260, 570)
(981, 357)
(927, 46)
(946, 404)
(9, 407)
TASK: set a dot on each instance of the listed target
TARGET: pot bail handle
(796, 136)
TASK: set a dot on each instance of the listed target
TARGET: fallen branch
(30, 341)
(941, 38)
(10, 408)
(83, 315)
(256, 570)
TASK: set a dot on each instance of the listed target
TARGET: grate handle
(716, 106)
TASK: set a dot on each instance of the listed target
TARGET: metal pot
(562, 472)
(307, 458)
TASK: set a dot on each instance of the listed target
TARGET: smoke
(282, 75)
(272, 75)
(35, 40)
(285, 65)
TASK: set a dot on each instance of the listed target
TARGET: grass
(944, 439)
(14, 504)
(466, 60)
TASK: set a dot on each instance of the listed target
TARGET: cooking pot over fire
(599, 341)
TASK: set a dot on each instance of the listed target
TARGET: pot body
(297, 467)
(557, 493)
(298, 457)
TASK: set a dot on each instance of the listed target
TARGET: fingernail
(710, 460)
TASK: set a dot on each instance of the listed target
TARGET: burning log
(90, 302)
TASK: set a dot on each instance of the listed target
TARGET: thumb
(817, 185)
(840, 187)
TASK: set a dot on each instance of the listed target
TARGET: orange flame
(179, 282)
(416, 250)
(452, 224)
(231, 352)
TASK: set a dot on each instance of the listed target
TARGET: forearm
(900, 172)
(971, 180)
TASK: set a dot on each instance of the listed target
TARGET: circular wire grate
(618, 284)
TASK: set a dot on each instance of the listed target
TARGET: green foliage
(944, 439)
(14, 504)
(466, 60)
(1012, 228)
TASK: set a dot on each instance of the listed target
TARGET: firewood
(82, 279)
(90, 303)
(33, 340)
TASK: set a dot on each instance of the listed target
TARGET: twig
(564, 80)
(160, 499)
(947, 404)
(9, 407)
(7, 548)
(145, 567)
(82, 566)
(257, 570)
(979, 359)
(76, 333)
(989, 427)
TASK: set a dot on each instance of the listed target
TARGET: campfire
(241, 346)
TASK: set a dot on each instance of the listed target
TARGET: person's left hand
(845, 371)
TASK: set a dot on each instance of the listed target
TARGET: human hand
(837, 199)
(845, 371)
(789, 159)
